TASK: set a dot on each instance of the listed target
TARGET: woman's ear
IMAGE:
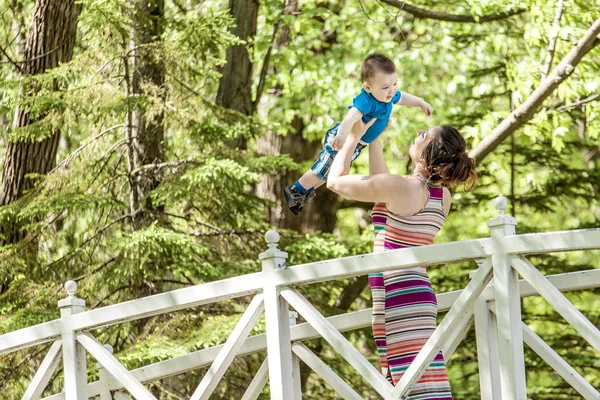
(422, 165)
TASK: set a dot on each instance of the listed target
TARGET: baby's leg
(310, 180)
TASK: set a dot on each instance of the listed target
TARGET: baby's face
(382, 86)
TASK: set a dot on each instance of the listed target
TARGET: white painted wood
(273, 259)
(321, 369)
(258, 382)
(437, 254)
(559, 365)
(121, 396)
(279, 346)
(29, 337)
(103, 381)
(229, 350)
(557, 300)
(104, 378)
(338, 341)
(345, 322)
(487, 351)
(44, 373)
(115, 368)
(508, 313)
(74, 360)
(302, 274)
(296, 376)
(49, 331)
(457, 335)
(75, 368)
(455, 319)
(175, 300)
(552, 242)
(383, 261)
(277, 313)
(564, 282)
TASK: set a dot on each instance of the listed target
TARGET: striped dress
(404, 304)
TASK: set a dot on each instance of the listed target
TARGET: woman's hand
(359, 128)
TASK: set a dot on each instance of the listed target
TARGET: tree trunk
(590, 155)
(235, 86)
(320, 213)
(148, 79)
(525, 111)
(50, 41)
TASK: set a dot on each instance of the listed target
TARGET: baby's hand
(426, 107)
(338, 141)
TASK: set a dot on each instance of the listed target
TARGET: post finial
(500, 204)
(272, 238)
(109, 348)
(71, 288)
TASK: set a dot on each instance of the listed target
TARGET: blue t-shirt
(373, 108)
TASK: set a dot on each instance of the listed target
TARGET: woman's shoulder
(410, 197)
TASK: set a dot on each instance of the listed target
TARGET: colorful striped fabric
(404, 304)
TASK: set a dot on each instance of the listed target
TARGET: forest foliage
(203, 213)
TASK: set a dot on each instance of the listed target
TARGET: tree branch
(83, 146)
(525, 111)
(428, 14)
(578, 103)
(265, 66)
(553, 39)
(10, 60)
(351, 292)
(167, 164)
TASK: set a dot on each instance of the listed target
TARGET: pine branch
(71, 156)
(97, 269)
(85, 242)
(231, 232)
(168, 164)
(429, 14)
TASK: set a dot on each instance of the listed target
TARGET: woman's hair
(446, 160)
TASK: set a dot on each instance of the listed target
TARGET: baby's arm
(409, 100)
(353, 115)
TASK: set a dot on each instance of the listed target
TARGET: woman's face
(415, 151)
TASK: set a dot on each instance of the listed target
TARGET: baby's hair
(376, 63)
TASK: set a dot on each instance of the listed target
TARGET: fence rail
(491, 300)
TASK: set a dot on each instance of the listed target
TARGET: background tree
(180, 120)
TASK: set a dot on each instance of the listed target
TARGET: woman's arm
(377, 163)
(373, 188)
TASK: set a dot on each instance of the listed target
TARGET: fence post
(74, 363)
(487, 348)
(279, 347)
(296, 364)
(103, 378)
(508, 307)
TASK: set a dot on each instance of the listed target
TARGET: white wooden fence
(491, 300)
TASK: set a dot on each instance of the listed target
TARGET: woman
(409, 211)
